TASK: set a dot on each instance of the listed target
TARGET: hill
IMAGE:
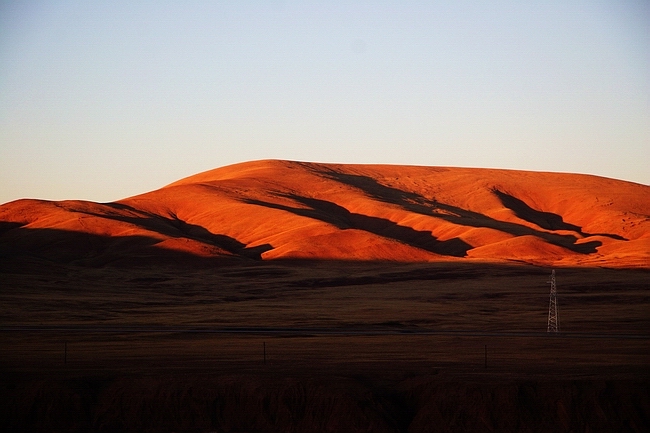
(267, 210)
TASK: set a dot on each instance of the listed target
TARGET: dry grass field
(322, 346)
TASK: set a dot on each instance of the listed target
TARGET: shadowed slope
(283, 209)
(103, 233)
(418, 204)
(545, 220)
(340, 217)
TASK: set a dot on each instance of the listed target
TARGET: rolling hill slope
(266, 210)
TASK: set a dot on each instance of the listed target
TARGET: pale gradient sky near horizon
(103, 100)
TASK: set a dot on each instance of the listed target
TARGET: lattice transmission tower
(553, 317)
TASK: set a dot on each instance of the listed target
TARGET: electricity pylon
(553, 318)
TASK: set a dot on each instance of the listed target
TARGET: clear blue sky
(101, 100)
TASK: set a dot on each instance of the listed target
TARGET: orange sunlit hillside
(266, 210)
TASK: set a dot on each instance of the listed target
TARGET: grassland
(322, 346)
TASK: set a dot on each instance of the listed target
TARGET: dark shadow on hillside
(176, 228)
(341, 218)
(416, 203)
(545, 220)
(6, 226)
(63, 246)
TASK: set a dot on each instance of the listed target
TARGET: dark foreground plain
(250, 346)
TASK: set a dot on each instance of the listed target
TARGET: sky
(103, 100)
